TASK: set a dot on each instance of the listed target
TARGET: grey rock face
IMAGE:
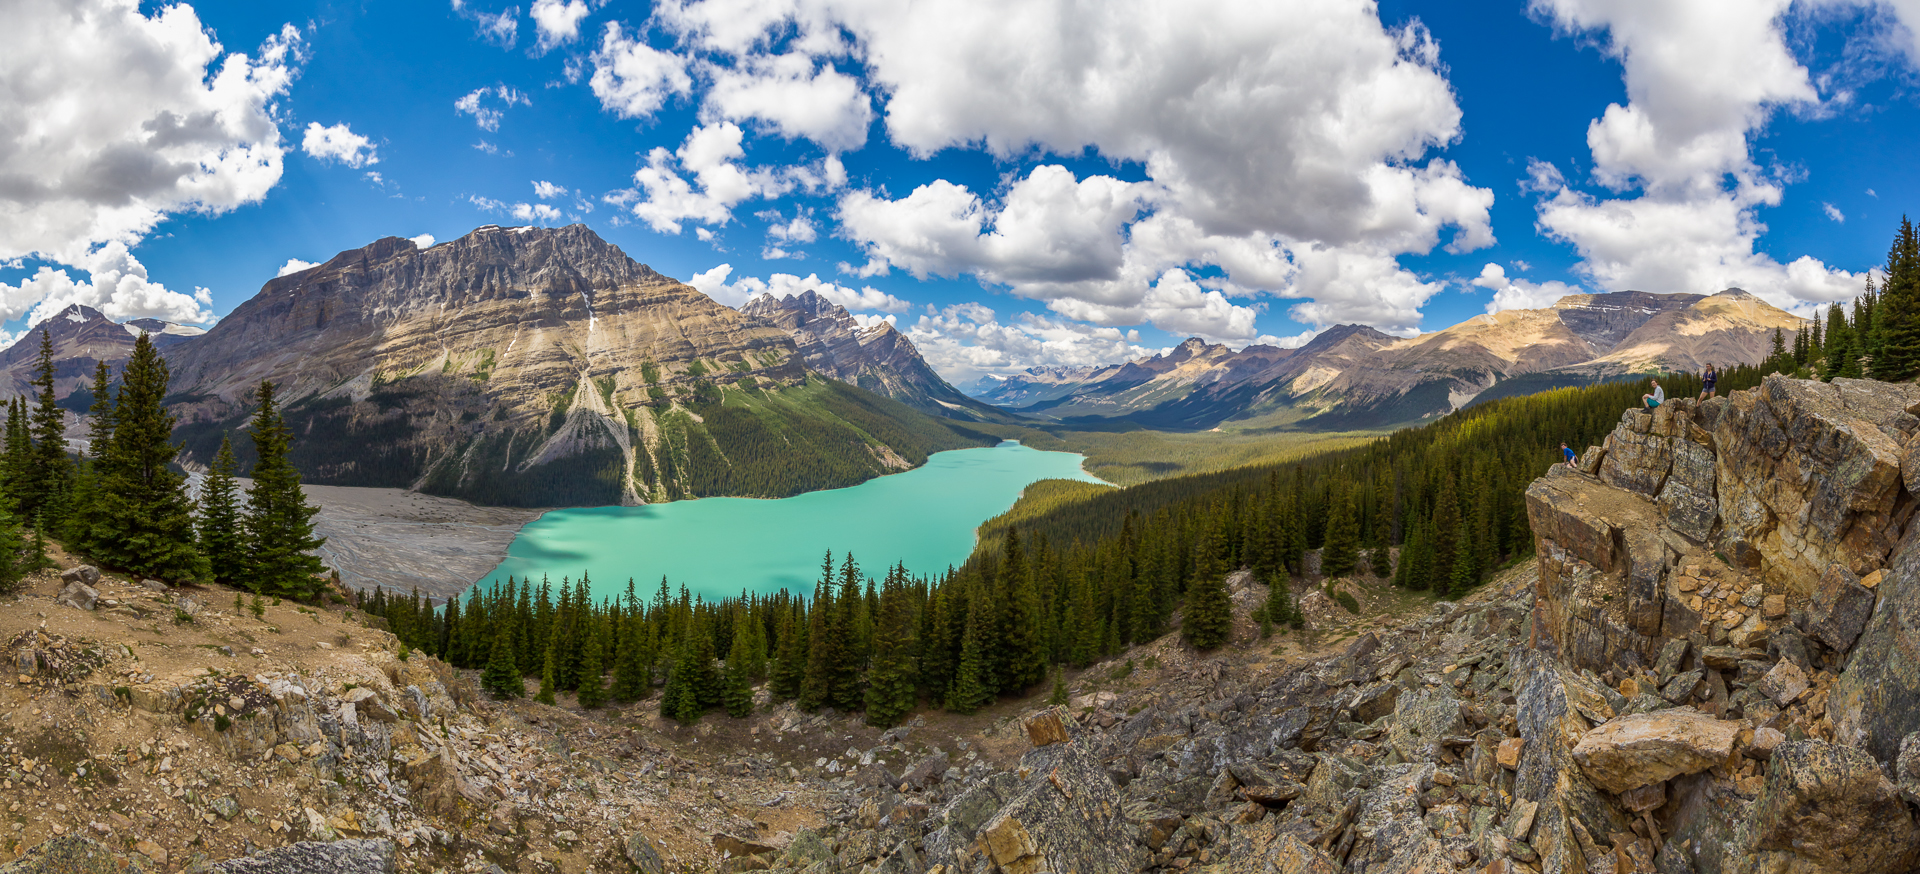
(72, 855)
(314, 857)
(1839, 609)
(77, 595)
(1830, 805)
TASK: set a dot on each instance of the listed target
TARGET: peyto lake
(719, 547)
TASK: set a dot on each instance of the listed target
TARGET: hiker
(1707, 380)
(1566, 452)
(1658, 397)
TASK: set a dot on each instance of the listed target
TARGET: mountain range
(531, 367)
(874, 356)
(1352, 376)
(82, 337)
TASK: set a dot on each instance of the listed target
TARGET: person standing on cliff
(1707, 379)
(1658, 397)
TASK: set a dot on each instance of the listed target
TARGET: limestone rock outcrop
(874, 356)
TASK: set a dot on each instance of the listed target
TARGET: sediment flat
(404, 540)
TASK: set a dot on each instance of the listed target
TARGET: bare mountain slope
(82, 337)
(1352, 376)
(534, 366)
(876, 357)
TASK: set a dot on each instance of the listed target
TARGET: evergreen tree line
(124, 504)
(1878, 339)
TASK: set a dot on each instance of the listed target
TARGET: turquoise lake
(718, 547)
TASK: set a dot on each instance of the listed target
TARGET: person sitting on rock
(1658, 397)
(1707, 379)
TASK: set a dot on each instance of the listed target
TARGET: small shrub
(221, 723)
(182, 617)
(1346, 600)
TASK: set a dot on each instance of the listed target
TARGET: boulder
(643, 858)
(1045, 728)
(72, 854)
(1839, 609)
(1065, 817)
(927, 771)
(367, 703)
(1831, 806)
(86, 573)
(1785, 683)
(315, 857)
(77, 595)
(1641, 749)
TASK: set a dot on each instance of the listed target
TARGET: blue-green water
(718, 547)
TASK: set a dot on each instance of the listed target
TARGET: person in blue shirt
(1567, 452)
(1658, 397)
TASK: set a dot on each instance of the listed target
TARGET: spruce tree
(502, 677)
(1025, 654)
(47, 472)
(890, 682)
(790, 658)
(592, 683)
(738, 679)
(547, 684)
(1209, 614)
(1899, 309)
(1340, 555)
(279, 519)
(969, 692)
(222, 537)
(680, 700)
(151, 532)
(630, 669)
(93, 516)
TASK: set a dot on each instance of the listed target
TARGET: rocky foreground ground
(1714, 666)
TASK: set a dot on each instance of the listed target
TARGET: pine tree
(222, 538)
(1025, 650)
(970, 691)
(502, 677)
(151, 528)
(790, 659)
(681, 698)
(279, 519)
(1209, 615)
(592, 682)
(47, 472)
(547, 684)
(738, 680)
(93, 515)
(1339, 557)
(890, 682)
(1899, 309)
(632, 664)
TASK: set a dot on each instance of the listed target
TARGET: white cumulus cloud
(1702, 79)
(295, 265)
(967, 341)
(1519, 294)
(795, 96)
(117, 284)
(557, 22)
(666, 198)
(424, 241)
(339, 143)
(547, 190)
(713, 283)
(631, 78)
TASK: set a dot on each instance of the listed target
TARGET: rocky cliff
(1751, 558)
(875, 357)
(1351, 376)
(82, 337)
(532, 366)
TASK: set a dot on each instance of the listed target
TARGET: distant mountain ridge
(1353, 376)
(876, 357)
(82, 337)
(535, 367)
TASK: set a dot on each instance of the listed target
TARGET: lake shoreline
(927, 518)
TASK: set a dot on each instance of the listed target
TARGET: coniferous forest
(123, 502)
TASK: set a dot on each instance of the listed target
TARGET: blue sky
(1013, 182)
